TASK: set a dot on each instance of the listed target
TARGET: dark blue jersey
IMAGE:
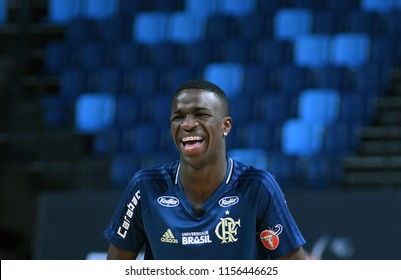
(245, 218)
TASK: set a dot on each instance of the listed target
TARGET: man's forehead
(194, 92)
(192, 95)
(196, 100)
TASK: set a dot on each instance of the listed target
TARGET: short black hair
(207, 86)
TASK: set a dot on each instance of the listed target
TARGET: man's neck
(200, 183)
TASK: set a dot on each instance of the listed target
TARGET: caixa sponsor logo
(168, 201)
(228, 201)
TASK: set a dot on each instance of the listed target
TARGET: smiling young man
(205, 205)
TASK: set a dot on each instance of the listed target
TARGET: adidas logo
(168, 237)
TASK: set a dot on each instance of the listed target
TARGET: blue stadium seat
(302, 138)
(165, 5)
(371, 23)
(106, 142)
(350, 49)
(241, 108)
(319, 105)
(144, 139)
(108, 79)
(393, 23)
(146, 81)
(265, 108)
(91, 55)
(312, 50)
(293, 78)
(339, 77)
(255, 26)
(94, 112)
(203, 8)
(127, 110)
(57, 57)
(383, 50)
(260, 135)
(3, 11)
(221, 27)
(357, 107)
(256, 80)
(274, 52)
(380, 6)
(150, 27)
(235, 50)
(236, 7)
(326, 21)
(341, 7)
(122, 168)
(184, 27)
(228, 76)
(141, 81)
(339, 139)
(61, 11)
(290, 23)
(269, 7)
(100, 9)
(56, 111)
(80, 30)
(114, 30)
(173, 77)
(372, 77)
(128, 8)
(198, 53)
(161, 109)
(156, 159)
(129, 55)
(255, 157)
(73, 81)
(166, 143)
(285, 169)
(322, 172)
(165, 54)
(310, 4)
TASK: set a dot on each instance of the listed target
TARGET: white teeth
(191, 138)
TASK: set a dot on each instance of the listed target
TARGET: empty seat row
(150, 27)
(380, 6)
(3, 11)
(320, 170)
(285, 24)
(345, 49)
(61, 12)
(237, 80)
(306, 137)
(302, 130)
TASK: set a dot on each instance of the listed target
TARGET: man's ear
(228, 122)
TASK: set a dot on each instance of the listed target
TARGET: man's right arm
(115, 253)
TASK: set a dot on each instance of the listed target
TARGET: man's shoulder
(244, 171)
(252, 175)
(158, 173)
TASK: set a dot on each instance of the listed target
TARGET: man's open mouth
(190, 141)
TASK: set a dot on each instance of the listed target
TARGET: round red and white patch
(270, 238)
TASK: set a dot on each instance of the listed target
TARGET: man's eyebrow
(197, 109)
(201, 109)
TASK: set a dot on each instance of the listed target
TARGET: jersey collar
(228, 173)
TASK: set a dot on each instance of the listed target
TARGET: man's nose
(189, 122)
